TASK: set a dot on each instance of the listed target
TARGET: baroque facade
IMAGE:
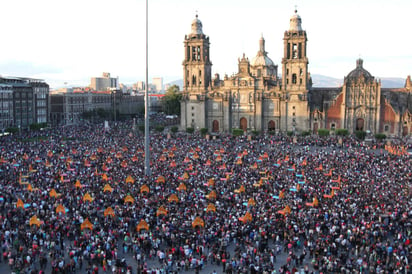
(256, 98)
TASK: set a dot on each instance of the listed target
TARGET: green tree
(380, 136)
(342, 132)
(237, 132)
(171, 101)
(203, 131)
(323, 132)
(360, 134)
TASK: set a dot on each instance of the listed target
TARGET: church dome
(196, 26)
(359, 71)
(295, 22)
(261, 58)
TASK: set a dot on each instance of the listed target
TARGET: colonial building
(257, 99)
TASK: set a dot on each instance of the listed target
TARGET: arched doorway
(360, 124)
(271, 125)
(215, 126)
(243, 123)
(315, 128)
(405, 131)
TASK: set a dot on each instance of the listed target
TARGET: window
(288, 52)
(295, 51)
(193, 115)
(294, 78)
(294, 114)
(300, 71)
(386, 128)
(193, 108)
(287, 71)
(293, 107)
(300, 81)
(332, 126)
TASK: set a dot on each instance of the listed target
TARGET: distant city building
(6, 106)
(28, 104)
(69, 105)
(158, 84)
(104, 83)
(140, 85)
(257, 99)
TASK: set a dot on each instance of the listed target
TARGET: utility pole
(147, 170)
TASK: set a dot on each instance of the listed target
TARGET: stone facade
(256, 98)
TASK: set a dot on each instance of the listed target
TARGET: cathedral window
(194, 55)
(198, 53)
(294, 78)
(295, 51)
(300, 51)
(301, 72)
(301, 81)
(288, 51)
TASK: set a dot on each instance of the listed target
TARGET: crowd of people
(267, 204)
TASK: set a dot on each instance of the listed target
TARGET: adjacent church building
(256, 99)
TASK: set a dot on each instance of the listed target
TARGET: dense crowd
(316, 205)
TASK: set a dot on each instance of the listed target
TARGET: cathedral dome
(261, 58)
(359, 71)
(295, 22)
(196, 26)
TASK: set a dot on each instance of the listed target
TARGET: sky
(66, 42)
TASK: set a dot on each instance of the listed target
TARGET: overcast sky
(69, 41)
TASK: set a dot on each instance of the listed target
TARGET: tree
(360, 134)
(171, 101)
(380, 136)
(323, 132)
(341, 132)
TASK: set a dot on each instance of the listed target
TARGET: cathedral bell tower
(197, 75)
(295, 62)
(295, 78)
(196, 65)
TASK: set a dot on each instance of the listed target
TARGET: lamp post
(147, 170)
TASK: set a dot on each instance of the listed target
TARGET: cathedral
(257, 99)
